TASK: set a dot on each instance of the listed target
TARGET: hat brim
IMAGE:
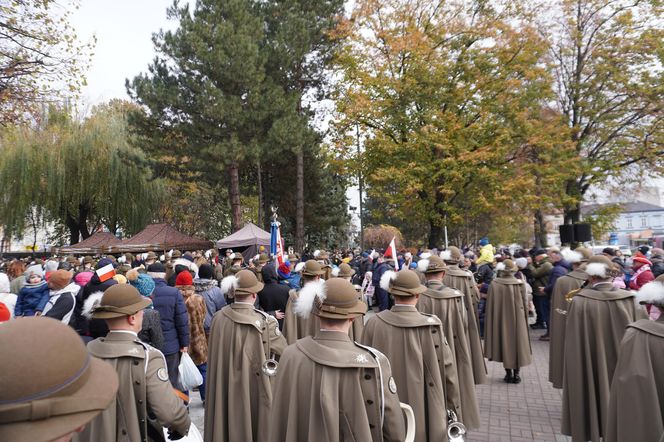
(250, 290)
(397, 291)
(357, 309)
(135, 308)
(318, 273)
(102, 384)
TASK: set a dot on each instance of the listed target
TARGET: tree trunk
(74, 234)
(540, 230)
(573, 213)
(83, 212)
(259, 185)
(234, 195)
(299, 203)
(435, 235)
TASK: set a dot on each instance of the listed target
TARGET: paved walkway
(529, 411)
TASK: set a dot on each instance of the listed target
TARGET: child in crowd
(34, 295)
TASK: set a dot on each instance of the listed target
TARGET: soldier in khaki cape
(463, 280)
(262, 260)
(422, 362)
(596, 322)
(449, 306)
(50, 386)
(145, 400)
(329, 388)
(239, 391)
(565, 284)
(296, 327)
(346, 272)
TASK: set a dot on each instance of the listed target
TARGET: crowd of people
(286, 352)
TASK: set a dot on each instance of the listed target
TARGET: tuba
(456, 431)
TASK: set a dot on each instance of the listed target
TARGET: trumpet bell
(456, 431)
(270, 367)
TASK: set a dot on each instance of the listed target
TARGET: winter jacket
(61, 303)
(274, 296)
(198, 349)
(151, 331)
(31, 299)
(214, 299)
(79, 321)
(540, 275)
(559, 269)
(657, 266)
(381, 295)
(174, 321)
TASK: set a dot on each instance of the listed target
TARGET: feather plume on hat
(311, 293)
(500, 266)
(387, 278)
(316, 253)
(423, 265)
(446, 255)
(425, 255)
(90, 303)
(597, 269)
(335, 272)
(651, 293)
(571, 256)
(299, 267)
(228, 283)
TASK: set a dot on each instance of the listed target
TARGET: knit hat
(59, 279)
(642, 260)
(484, 241)
(34, 270)
(157, 270)
(521, 263)
(103, 263)
(242, 283)
(312, 268)
(644, 250)
(284, 270)
(5, 314)
(53, 386)
(142, 282)
(434, 264)
(120, 300)
(403, 283)
(83, 278)
(206, 272)
(121, 279)
(184, 278)
(609, 251)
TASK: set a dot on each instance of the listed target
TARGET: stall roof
(96, 243)
(160, 237)
(249, 235)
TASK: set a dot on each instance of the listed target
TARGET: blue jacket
(559, 269)
(214, 299)
(31, 299)
(174, 319)
(382, 297)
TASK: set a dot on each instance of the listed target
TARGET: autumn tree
(607, 59)
(444, 91)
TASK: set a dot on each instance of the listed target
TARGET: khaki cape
(238, 394)
(565, 284)
(448, 305)
(330, 389)
(596, 321)
(463, 281)
(422, 366)
(506, 326)
(636, 411)
(144, 390)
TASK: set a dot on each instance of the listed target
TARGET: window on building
(644, 221)
(657, 221)
(629, 223)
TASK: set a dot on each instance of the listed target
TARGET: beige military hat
(403, 283)
(343, 271)
(335, 298)
(312, 268)
(151, 255)
(72, 260)
(585, 252)
(87, 260)
(120, 300)
(293, 258)
(51, 385)
(176, 254)
(601, 266)
(245, 283)
(263, 258)
(432, 265)
(507, 266)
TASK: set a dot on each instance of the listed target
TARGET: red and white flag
(391, 252)
(105, 273)
(280, 247)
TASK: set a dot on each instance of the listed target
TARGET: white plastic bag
(190, 377)
(193, 436)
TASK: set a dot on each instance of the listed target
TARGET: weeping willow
(77, 172)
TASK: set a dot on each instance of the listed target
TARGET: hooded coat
(565, 284)
(507, 339)
(330, 389)
(637, 393)
(422, 365)
(238, 394)
(596, 322)
(214, 299)
(274, 296)
(463, 281)
(448, 305)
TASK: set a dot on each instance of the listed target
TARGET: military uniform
(296, 326)
(239, 394)
(145, 399)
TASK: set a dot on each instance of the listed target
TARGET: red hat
(642, 260)
(5, 315)
(184, 278)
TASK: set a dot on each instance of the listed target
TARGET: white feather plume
(307, 296)
(500, 266)
(122, 259)
(89, 305)
(423, 265)
(255, 258)
(144, 256)
(299, 267)
(208, 253)
(386, 278)
(425, 255)
(651, 293)
(162, 258)
(571, 256)
(229, 282)
(596, 269)
(446, 255)
(316, 253)
(408, 255)
(170, 253)
(335, 271)
(80, 260)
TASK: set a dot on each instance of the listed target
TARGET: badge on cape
(392, 385)
(162, 374)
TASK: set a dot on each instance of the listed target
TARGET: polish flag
(105, 273)
(391, 252)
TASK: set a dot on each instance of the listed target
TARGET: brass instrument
(269, 367)
(568, 298)
(456, 431)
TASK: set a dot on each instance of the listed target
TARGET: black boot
(509, 376)
(516, 379)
